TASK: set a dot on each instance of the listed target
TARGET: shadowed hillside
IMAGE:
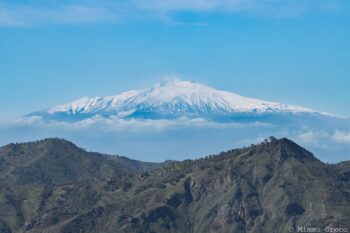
(54, 186)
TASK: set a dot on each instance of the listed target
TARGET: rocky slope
(269, 187)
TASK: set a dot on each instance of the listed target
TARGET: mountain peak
(187, 92)
(289, 149)
(279, 150)
(168, 100)
(58, 161)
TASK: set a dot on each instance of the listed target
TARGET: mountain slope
(167, 101)
(59, 161)
(268, 187)
(265, 188)
(31, 174)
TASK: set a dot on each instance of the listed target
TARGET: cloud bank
(116, 124)
(158, 140)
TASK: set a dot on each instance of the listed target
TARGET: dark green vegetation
(53, 186)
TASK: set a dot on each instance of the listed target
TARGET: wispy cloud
(25, 15)
(92, 11)
(234, 6)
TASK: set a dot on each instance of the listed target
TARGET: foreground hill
(53, 186)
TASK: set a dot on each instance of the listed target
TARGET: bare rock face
(54, 186)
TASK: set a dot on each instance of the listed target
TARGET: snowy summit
(169, 100)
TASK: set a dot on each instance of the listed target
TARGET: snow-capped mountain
(169, 100)
(167, 117)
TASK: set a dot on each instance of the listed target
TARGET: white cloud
(319, 139)
(308, 137)
(341, 137)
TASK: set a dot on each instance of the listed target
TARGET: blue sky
(290, 51)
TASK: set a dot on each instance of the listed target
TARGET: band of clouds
(312, 137)
(111, 11)
(115, 124)
(330, 144)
